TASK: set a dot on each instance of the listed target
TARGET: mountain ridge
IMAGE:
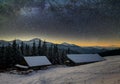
(63, 45)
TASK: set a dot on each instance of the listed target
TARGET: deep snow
(105, 72)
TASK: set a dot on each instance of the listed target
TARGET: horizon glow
(85, 28)
(84, 43)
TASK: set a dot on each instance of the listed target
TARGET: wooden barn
(34, 62)
(77, 59)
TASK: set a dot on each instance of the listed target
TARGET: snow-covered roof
(85, 58)
(33, 61)
(21, 66)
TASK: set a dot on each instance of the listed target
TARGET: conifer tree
(50, 53)
(11, 59)
(39, 48)
(2, 57)
(68, 51)
(27, 50)
(15, 53)
(44, 49)
(34, 49)
(64, 56)
(56, 54)
(22, 48)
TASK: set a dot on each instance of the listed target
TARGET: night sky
(83, 27)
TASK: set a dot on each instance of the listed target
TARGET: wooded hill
(13, 53)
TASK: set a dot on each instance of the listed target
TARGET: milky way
(84, 27)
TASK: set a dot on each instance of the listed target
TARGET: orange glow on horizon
(79, 43)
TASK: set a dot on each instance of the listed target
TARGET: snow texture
(21, 66)
(105, 72)
(85, 58)
(37, 61)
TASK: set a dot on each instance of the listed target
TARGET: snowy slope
(106, 72)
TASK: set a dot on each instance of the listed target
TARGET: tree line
(13, 53)
(110, 52)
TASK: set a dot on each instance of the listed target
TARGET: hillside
(110, 52)
(63, 46)
(105, 72)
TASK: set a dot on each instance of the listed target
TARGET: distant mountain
(67, 44)
(5, 43)
(74, 48)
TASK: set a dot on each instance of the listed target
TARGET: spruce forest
(13, 53)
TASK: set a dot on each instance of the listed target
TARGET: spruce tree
(27, 50)
(56, 54)
(44, 49)
(68, 51)
(22, 48)
(2, 57)
(15, 52)
(39, 48)
(50, 53)
(10, 58)
(64, 56)
(34, 49)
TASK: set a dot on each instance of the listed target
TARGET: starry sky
(83, 28)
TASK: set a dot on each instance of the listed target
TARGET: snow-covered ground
(105, 72)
